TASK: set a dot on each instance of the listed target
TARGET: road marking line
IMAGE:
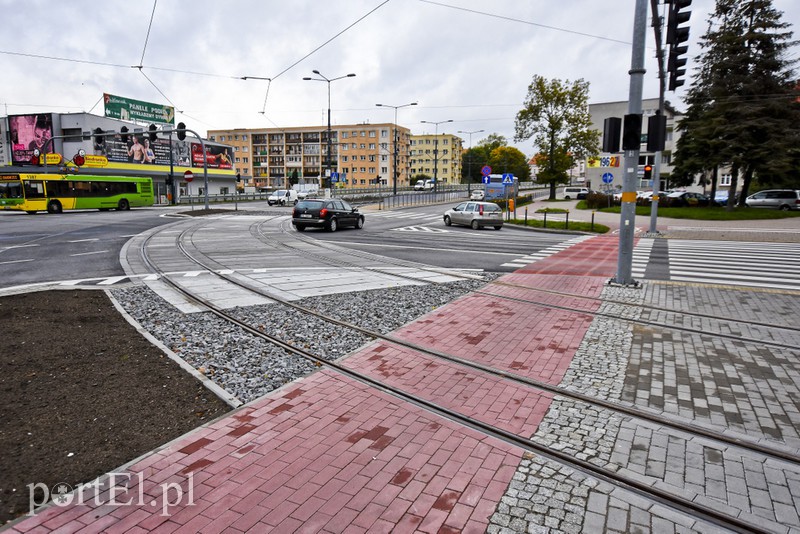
(88, 253)
(14, 261)
(17, 246)
(83, 240)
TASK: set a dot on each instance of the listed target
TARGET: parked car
(689, 199)
(284, 197)
(579, 193)
(781, 199)
(475, 214)
(330, 214)
(420, 185)
(477, 194)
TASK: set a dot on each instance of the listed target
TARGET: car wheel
(497, 227)
(283, 202)
(447, 221)
(475, 225)
(333, 225)
(785, 207)
(54, 206)
(269, 203)
(300, 227)
(566, 197)
(360, 223)
(295, 203)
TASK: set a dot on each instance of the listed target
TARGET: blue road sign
(608, 178)
(487, 179)
(486, 171)
(508, 178)
(334, 176)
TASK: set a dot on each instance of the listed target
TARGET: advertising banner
(5, 154)
(139, 149)
(128, 109)
(217, 157)
(27, 133)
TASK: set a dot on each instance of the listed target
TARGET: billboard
(139, 149)
(27, 133)
(128, 109)
(5, 156)
(217, 157)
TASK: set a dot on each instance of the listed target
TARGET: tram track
(527, 444)
(675, 502)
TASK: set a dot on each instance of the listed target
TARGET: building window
(444, 141)
(372, 133)
(344, 135)
(725, 180)
(384, 170)
(363, 133)
(385, 146)
(244, 137)
(221, 137)
(246, 160)
(245, 149)
(236, 137)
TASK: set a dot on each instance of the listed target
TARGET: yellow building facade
(444, 166)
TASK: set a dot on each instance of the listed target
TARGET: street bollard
(593, 221)
(545, 218)
(566, 224)
(526, 216)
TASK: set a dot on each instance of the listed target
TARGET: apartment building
(361, 154)
(424, 160)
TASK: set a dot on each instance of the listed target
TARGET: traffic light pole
(628, 204)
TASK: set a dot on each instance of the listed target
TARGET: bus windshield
(10, 190)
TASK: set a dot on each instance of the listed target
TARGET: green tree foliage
(495, 152)
(556, 115)
(742, 107)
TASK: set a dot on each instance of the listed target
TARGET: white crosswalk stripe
(766, 265)
(421, 229)
(641, 256)
(545, 252)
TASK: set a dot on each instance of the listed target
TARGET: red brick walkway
(328, 454)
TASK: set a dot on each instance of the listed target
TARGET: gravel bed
(249, 367)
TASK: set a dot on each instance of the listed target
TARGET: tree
(495, 152)
(743, 108)
(556, 115)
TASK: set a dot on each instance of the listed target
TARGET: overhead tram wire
(149, 27)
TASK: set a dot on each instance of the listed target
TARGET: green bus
(57, 192)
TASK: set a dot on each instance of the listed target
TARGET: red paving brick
(329, 454)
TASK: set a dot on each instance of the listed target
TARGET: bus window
(10, 190)
(58, 188)
(34, 189)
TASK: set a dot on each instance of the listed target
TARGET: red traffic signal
(78, 160)
(35, 157)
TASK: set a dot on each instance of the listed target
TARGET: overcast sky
(466, 60)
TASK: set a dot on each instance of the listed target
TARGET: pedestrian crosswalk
(545, 252)
(751, 264)
(407, 215)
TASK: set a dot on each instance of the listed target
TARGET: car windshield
(491, 207)
(280, 192)
(309, 204)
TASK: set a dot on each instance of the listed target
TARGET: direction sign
(188, 176)
(334, 176)
(608, 177)
(508, 178)
(486, 170)
(487, 179)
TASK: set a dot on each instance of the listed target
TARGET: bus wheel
(54, 206)
(31, 212)
(123, 205)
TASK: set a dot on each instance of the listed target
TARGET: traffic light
(632, 132)
(238, 177)
(648, 172)
(124, 134)
(676, 35)
(99, 138)
(181, 131)
(612, 128)
(152, 129)
(656, 132)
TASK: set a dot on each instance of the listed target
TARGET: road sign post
(189, 176)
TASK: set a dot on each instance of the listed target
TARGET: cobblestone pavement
(745, 389)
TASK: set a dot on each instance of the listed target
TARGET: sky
(469, 61)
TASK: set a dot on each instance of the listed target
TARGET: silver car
(780, 199)
(475, 214)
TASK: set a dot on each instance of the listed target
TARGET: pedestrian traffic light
(152, 129)
(124, 134)
(181, 131)
(676, 35)
(648, 172)
(99, 138)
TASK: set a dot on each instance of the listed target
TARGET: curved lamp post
(436, 152)
(469, 163)
(394, 187)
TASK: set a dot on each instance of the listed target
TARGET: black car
(329, 214)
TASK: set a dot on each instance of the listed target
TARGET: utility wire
(147, 38)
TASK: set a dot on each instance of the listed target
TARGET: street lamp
(322, 78)
(436, 152)
(469, 163)
(394, 188)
